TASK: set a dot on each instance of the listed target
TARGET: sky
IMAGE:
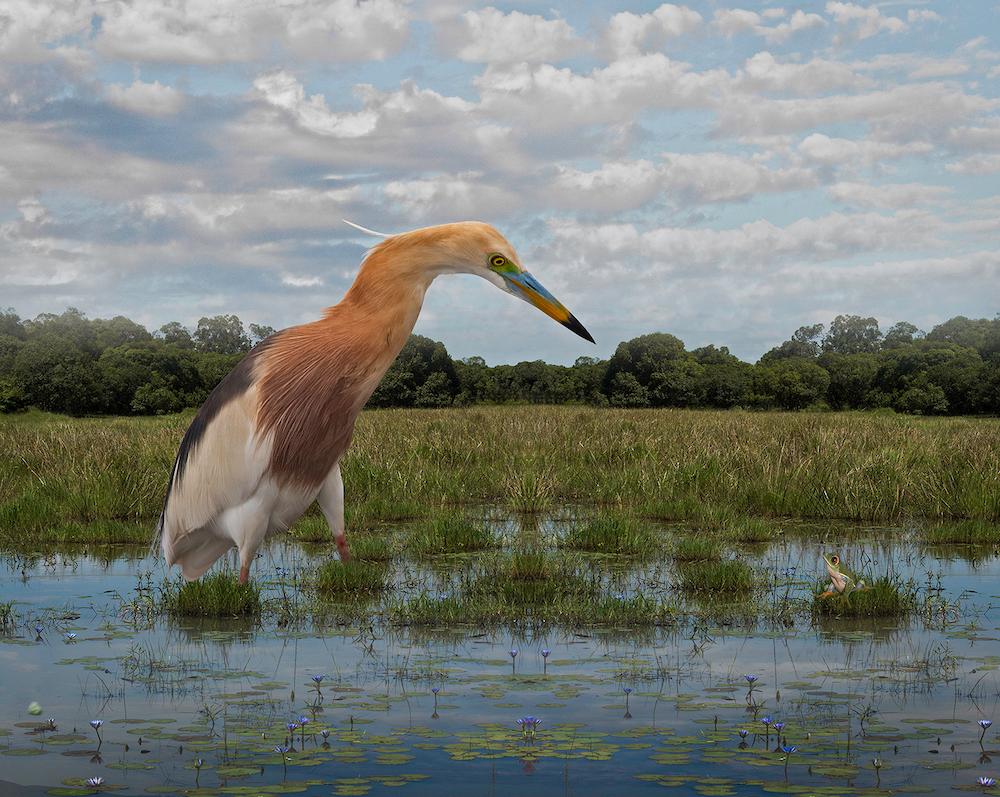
(725, 172)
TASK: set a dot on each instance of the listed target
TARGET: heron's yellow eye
(498, 261)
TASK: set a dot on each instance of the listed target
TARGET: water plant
(884, 597)
(726, 578)
(985, 725)
(218, 594)
(448, 533)
(692, 548)
(96, 725)
(545, 660)
(619, 534)
(351, 578)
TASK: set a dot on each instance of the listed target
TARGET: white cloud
(904, 111)
(301, 282)
(763, 72)
(630, 34)
(823, 149)
(29, 27)
(550, 99)
(892, 196)
(976, 165)
(922, 15)
(857, 22)
(148, 99)
(491, 36)
(755, 245)
(730, 22)
(433, 200)
(283, 90)
(199, 32)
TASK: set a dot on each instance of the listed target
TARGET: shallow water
(908, 692)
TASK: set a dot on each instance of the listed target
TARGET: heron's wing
(219, 465)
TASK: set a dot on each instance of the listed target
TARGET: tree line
(71, 364)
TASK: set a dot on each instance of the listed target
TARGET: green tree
(10, 324)
(804, 343)
(221, 334)
(259, 332)
(902, 333)
(969, 332)
(790, 384)
(640, 358)
(852, 376)
(625, 391)
(419, 359)
(174, 333)
(852, 334)
(56, 376)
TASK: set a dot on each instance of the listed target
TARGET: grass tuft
(216, 595)
(620, 535)
(697, 549)
(355, 576)
(967, 532)
(449, 534)
(883, 598)
(729, 577)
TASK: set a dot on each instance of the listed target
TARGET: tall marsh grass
(667, 464)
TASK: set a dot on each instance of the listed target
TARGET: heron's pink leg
(345, 553)
(244, 574)
(331, 501)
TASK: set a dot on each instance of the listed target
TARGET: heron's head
(472, 247)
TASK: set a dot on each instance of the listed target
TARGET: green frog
(842, 580)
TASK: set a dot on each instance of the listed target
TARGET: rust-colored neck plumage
(316, 378)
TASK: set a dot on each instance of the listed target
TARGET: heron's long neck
(382, 306)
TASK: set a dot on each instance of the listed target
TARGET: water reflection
(424, 709)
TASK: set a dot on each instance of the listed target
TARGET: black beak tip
(578, 328)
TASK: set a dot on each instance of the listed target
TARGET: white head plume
(366, 230)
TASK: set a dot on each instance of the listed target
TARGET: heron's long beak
(526, 287)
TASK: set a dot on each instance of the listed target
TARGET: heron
(269, 439)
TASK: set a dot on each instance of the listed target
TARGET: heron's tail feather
(196, 552)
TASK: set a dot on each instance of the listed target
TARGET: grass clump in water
(620, 535)
(531, 578)
(217, 595)
(967, 532)
(354, 576)
(449, 534)
(885, 597)
(751, 530)
(697, 549)
(728, 576)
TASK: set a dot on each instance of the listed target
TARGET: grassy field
(103, 479)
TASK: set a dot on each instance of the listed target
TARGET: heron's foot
(244, 574)
(827, 594)
(342, 549)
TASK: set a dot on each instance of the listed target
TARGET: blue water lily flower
(95, 782)
(986, 782)
(743, 733)
(789, 749)
(545, 653)
(750, 678)
(778, 726)
(766, 720)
